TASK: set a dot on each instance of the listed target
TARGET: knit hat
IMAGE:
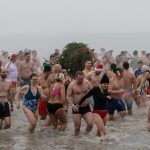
(104, 79)
(99, 67)
(118, 71)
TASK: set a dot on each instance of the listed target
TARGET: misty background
(49, 24)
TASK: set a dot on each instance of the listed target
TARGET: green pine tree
(74, 56)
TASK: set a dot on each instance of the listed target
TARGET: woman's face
(104, 86)
(34, 80)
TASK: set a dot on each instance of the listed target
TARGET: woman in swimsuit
(55, 108)
(146, 78)
(100, 95)
(32, 94)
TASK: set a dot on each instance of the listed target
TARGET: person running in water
(32, 93)
(12, 74)
(116, 91)
(76, 90)
(55, 103)
(100, 95)
(43, 82)
(5, 99)
(129, 86)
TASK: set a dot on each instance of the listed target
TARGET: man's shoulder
(90, 73)
(86, 82)
(8, 82)
(72, 83)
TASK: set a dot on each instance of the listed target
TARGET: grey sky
(73, 16)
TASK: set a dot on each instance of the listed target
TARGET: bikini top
(55, 89)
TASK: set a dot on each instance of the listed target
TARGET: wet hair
(79, 73)
(148, 54)
(87, 61)
(135, 52)
(125, 65)
(27, 53)
(47, 68)
(33, 75)
(113, 66)
(140, 62)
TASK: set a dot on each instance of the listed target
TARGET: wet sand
(129, 133)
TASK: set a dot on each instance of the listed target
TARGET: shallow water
(129, 133)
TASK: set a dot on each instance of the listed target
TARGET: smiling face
(34, 80)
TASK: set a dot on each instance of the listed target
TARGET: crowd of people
(105, 85)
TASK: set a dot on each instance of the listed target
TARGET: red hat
(99, 67)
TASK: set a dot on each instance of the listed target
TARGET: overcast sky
(73, 16)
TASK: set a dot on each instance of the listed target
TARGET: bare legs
(77, 122)
(32, 117)
(100, 124)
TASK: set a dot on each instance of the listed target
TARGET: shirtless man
(129, 82)
(76, 90)
(111, 73)
(116, 91)
(42, 81)
(26, 67)
(20, 58)
(95, 76)
(5, 97)
(108, 59)
(88, 67)
(36, 61)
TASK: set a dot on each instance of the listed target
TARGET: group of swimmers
(93, 94)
